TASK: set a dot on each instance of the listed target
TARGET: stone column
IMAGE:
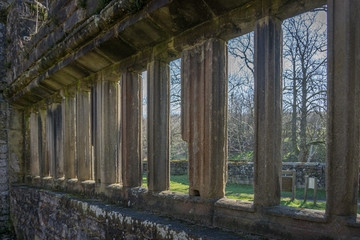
(4, 163)
(35, 140)
(158, 113)
(54, 139)
(107, 130)
(44, 163)
(204, 116)
(59, 140)
(131, 116)
(83, 134)
(69, 123)
(50, 141)
(343, 151)
(268, 109)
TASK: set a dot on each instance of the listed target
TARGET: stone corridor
(71, 110)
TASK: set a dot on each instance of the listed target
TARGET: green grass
(180, 183)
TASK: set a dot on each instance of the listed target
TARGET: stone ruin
(70, 111)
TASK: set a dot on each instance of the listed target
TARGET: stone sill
(356, 223)
(297, 213)
(120, 194)
(235, 205)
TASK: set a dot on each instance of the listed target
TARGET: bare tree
(179, 148)
(241, 98)
(305, 45)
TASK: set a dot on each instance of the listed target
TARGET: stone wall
(243, 173)
(4, 176)
(40, 214)
(177, 167)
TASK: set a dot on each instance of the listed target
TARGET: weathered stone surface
(131, 118)
(41, 214)
(70, 143)
(343, 122)
(165, 19)
(44, 162)
(204, 113)
(107, 130)
(268, 109)
(158, 113)
(54, 140)
(74, 47)
(4, 126)
(85, 166)
(35, 143)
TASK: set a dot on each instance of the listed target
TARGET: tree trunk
(294, 145)
(303, 121)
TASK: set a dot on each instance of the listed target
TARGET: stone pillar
(83, 134)
(50, 143)
(131, 116)
(204, 116)
(59, 140)
(343, 151)
(44, 163)
(35, 141)
(107, 130)
(268, 109)
(4, 167)
(54, 139)
(69, 123)
(158, 113)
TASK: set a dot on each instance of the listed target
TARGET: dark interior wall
(4, 179)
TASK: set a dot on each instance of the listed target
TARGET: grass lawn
(180, 183)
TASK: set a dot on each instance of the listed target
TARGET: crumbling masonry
(71, 110)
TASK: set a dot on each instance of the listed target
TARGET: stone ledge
(96, 219)
(235, 204)
(297, 213)
(237, 216)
